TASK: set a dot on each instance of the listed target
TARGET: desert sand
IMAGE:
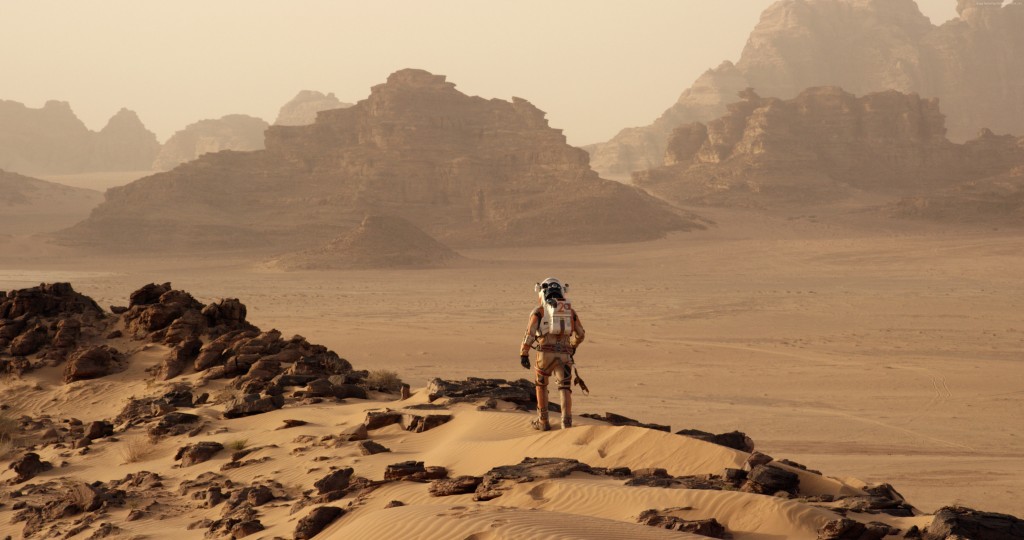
(869, 354)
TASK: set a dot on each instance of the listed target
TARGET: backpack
(557, 318)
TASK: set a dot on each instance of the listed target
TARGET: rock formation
(303, 108)
(52, 140)
(378, 242)
(29, 205)
(467, 170)
(231, 132)
(972, 64)
(821, 146)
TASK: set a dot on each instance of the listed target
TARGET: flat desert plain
(859, 351)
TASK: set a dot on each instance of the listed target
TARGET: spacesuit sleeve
(578, 333)
(531, 333)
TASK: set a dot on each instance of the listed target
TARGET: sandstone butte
(52, 140)
(971, 63)
(467, 170)
(231, 132)
(303, 108)
(823, 146)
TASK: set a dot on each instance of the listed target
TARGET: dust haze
(267, 269)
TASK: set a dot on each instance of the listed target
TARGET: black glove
(525, 361)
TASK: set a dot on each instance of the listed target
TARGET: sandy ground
(885, 356)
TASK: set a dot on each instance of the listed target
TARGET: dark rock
(180, 396)
(736, 440)
(405, 469)
(99, 429)
(419, 424)
(28, 467)
(652, 481)
(961, 522)
(459, 485)
(148, 294)
(337, 480)
(138, 410)
(174, 423)
(198, 452)
(619, 420)
(704, 527)
(357, 433)
(501, 478)
(180, 357)
(259, 495)
(394, 504)
(245, 528)
(29, 342)
(118, 310)
(104, 530)
(848, 529)
(369, 448)
(249, 407)
(521, 392)
(768, 480)
(115, 334)
(874, 505)
(91, 363)
(290, 423)
(379, 419)
(735, 475)
(757, 458)
(316, 521)
(800, 466)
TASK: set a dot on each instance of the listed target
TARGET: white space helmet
(551, 288)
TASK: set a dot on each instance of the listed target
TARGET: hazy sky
(595, 66)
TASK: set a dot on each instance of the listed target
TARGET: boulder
(147, 294)
(704, 527)
(174, 423)
(960, 522)
(736, 440)
(769, 480)
(336, 480)
(197, 453)
(99, 429)
(91, 363)
(414, 471)
(369, 448)
(848, 529)
(459, 485)
(253, 404)
(29, 342)
(28, 466)
(316, 521)
(498, 479)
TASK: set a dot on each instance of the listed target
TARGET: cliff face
(972, 64)
(302, 109)
(231, 132)
(819, 146)
(467, 170)
(52, 140)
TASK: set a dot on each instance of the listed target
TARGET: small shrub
(136, 449)
(237, 444)
(384, 380)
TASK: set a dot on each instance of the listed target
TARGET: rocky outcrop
(971, 64)
(378, 242)
(52, 140)
(466, 170)
(822, 146)
(303, 108)
(231, 132)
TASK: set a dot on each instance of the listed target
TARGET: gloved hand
(525, 361)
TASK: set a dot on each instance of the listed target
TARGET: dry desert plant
(137, 448)
(384, 380)
(237, 444)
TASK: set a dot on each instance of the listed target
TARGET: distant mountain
(467, 170)
(52, 140)
(378, 242)
(231, 132)
(972, 64)
(302, 109)
(30, 206)
(822, 146)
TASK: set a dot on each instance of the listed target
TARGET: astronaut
(555, 331)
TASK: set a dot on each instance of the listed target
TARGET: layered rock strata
(971, 64)
(822, 146)
(231, 132)
(466, 170)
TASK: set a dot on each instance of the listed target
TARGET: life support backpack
(557, 318)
